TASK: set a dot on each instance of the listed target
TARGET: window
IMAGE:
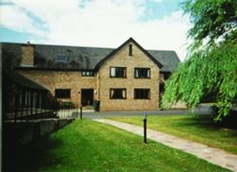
(63, 93)
(130, 50)
(87, 73)
(142, 73)
(118, 93)
(118, 72)
(162, 78)
(61, 58)
(142, 93)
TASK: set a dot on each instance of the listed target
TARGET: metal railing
(69, 113)
(35, 105)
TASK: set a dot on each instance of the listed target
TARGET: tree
(210, 70)
(214, 21)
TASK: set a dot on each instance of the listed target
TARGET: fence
(69, 113)
(35, 104)
(18, 115)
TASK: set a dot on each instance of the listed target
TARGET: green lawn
(85, 146)
(197, 128)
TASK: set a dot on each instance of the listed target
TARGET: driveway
(201, 110)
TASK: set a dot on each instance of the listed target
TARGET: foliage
(66, 105)
(212, 20)
(57, 104)
(205, 74)
(209, 72)
(54, 104)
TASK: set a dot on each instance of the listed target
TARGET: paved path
(212, 155)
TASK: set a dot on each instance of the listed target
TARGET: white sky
(99, 23)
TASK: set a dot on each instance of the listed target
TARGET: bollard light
(81, 112)
(145, 127)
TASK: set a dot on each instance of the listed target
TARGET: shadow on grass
(207, 121)
(30, 156)
(229, 122)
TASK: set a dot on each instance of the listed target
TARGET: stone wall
(19, 134)
(62, 80)
(123, 59)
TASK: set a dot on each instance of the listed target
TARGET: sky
(154, 24)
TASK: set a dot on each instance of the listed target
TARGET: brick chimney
(27, 54)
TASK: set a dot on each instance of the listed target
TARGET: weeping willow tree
(210, 70)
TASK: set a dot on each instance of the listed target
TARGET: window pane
(63, 93)
(142, 94)
(112, 71)
(118, 72)
(130, 50)
(148, 73)
(142, 73)
(87, 73)
(118, 93)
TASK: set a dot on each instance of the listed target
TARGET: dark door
(87, 96)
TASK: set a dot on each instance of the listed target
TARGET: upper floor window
(87, 73)
(141, 93)
(118, 93)
(118, 72)
(63, 93)
(61, 58)
(130, 53)
(142, 73)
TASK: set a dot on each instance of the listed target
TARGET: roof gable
(120, 47)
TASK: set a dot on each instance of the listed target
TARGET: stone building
(126, 78)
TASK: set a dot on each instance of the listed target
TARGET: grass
(200, 129)
(85, 145)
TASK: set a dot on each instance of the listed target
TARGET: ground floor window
(141, 93)
(118, 93)
(63, 93)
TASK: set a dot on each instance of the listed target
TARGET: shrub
(67, 105)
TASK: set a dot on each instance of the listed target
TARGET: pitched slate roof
(77, 57)
(85, 58)
(169, 59)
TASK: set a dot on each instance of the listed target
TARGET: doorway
(87, 97)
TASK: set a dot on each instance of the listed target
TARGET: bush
(54, 104)
(67, 105)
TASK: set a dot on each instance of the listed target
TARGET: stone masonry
(63, 80)
(101, 82)
(122, 59)
(27, 55)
